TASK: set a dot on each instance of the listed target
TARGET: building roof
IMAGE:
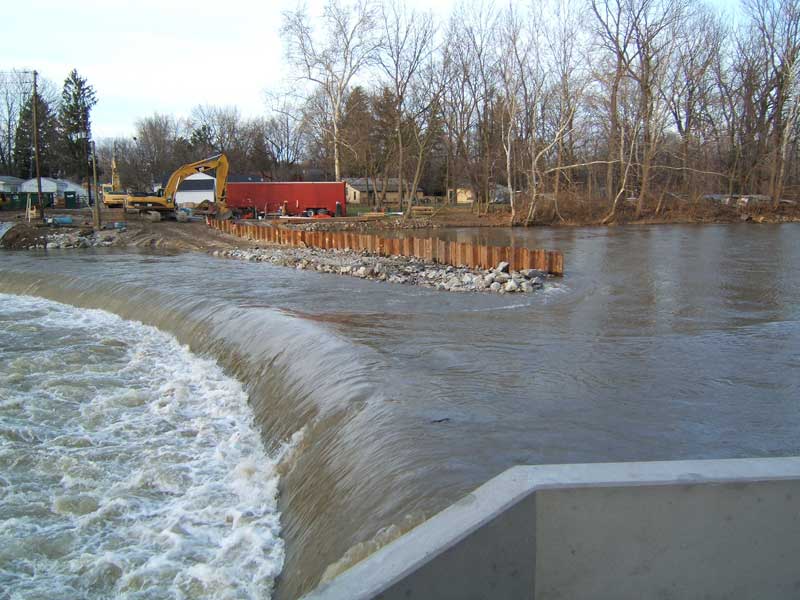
(49, 185)
(71, 186)
(202, 182)
(364, 184)
(11, 179)
(196, 185)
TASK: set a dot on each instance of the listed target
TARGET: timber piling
(457, 254)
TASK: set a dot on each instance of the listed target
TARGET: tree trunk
(509, 175)
(400, 167)
(336, 168)
(557, 183)
(613, 128)
(647, 142)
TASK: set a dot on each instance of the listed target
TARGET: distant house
(363, 190)
(9, 184)
(462, 195)
(465, 195)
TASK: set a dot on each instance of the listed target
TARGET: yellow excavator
(163, 204)
(113, 196)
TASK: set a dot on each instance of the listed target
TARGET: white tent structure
(79, 190)
(49, 186)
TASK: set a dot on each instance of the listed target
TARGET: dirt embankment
(119, 231)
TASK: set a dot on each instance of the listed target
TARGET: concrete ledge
(711, 529)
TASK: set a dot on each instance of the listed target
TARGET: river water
(378, 405)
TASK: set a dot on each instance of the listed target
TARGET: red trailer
(294, 198)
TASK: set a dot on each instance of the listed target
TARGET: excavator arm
(218, 162)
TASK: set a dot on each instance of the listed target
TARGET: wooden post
(427, 249)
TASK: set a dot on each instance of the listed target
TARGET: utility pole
(96, 211)
(36, 146)
(87, 156)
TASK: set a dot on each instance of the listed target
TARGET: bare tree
(159, 147)
(513, 57)
(348, 44)
(615, 35)
(407, 45)
(777, 23)
(16, 87)
(689, 89)
(285, 132)
(425, 115)
(563, 42)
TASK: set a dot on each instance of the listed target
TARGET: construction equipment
(113, 196)
(164, 202)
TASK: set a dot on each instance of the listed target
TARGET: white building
(195, 189)
(9, 184)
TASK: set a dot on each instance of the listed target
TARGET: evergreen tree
(356, 131)
(75, 125)
(24, 165)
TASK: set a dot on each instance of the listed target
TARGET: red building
(288, 198)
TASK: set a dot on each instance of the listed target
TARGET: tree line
(63, 122)
(588, 100)
(603, 103)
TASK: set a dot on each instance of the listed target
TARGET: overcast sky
(158, 56)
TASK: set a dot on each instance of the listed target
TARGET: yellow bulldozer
(163, 203)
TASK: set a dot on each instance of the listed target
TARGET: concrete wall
(684, 529)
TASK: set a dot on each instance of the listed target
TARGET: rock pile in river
(81, 239)
(26, 237)
(395, 269)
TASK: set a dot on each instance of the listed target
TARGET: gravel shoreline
(395, 269)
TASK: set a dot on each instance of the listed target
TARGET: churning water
(129, 467)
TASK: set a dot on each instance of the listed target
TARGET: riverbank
(569, 215)
(197, 236)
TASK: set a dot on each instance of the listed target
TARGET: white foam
(136, 458)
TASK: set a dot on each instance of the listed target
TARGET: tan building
(363, 190)
(461, 195)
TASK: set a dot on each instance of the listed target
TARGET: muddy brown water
(662, 342)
